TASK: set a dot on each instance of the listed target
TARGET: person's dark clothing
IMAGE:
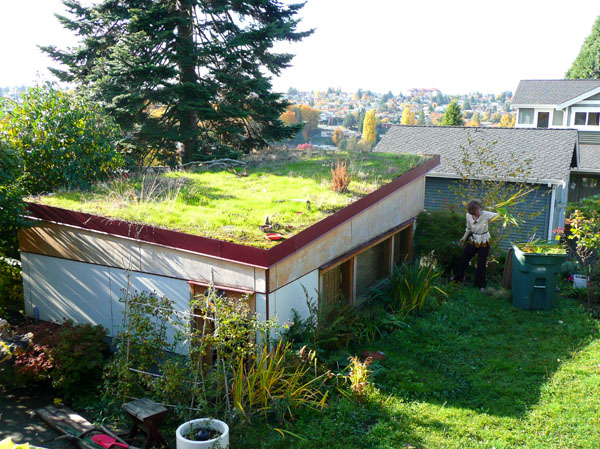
(482, 252)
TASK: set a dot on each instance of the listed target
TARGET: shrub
(340, 176)
(79, 357)
(437, 234)
(62, 139)
(36, 363)
(411, 285)
(11, 285)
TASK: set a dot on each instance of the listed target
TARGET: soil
(19, 421)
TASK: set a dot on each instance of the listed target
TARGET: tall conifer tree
(193, 74)
(453, 115)
(587, 63)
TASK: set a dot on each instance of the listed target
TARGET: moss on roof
(291, 188)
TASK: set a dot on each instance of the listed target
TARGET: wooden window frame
(404, 232)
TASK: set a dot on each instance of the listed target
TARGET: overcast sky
(381, 45)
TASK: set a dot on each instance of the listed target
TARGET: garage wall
(91, 247)
(88, 293)
(292, 296)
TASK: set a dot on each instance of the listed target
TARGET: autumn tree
(309, 116)
(289, 117)
(507, 121)
(475, 120)
(337, 136)
(453, 115)
(370, 128)
(587, 62)
(209, 63)
(408, 117)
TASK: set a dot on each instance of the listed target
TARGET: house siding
(439, 195)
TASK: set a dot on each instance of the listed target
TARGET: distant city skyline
(457, 47)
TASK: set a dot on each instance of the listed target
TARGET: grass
(291, 188)
(476, 373)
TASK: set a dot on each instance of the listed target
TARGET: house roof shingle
(551, 92)
(549, 151)
(589, 157)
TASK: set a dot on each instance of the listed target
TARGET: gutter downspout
(551, 219)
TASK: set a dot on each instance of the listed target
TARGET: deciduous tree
(507, 121)
(61, 139)
(408, 117)
(337, 136)
(370, 128)
(587, 62)
(207, 62)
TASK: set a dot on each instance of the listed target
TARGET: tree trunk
(186, 62)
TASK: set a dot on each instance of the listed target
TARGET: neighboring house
(552, 153)
(76, 265)
(566, 104)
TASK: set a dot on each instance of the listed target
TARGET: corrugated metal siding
(439, 195)
(589, 138)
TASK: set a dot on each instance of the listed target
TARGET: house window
(402, 245)
(557, 118)
(199, 290)
(543, 119)
(580, 118)
(371, 266)
(525, 116)
(336, 283)
(589, 183)
(587, 119)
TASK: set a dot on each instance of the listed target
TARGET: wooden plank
(507, 276)
(67, 422)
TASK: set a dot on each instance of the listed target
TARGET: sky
(456, 46)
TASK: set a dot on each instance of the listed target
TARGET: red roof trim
(258, 257)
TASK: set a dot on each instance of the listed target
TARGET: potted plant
(203, 433)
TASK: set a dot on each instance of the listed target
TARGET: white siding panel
(176, 290)
(261, 306)
(26, 284)
(292, 296)
(62, 288)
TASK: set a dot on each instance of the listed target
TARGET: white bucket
(579, 281)
(221, 442)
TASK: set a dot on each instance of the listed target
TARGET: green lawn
(291, 188)
(476, 373)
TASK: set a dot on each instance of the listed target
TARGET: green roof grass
(291, 188)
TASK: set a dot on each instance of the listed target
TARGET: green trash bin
(534, 278)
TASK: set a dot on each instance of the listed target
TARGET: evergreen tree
(453, 115)
(349, 121)
(421, 119)
(370, 128)
(360, 120)
(587, 62)
(193, 73)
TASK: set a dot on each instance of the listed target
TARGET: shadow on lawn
(482, 353)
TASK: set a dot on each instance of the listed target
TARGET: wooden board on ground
(67, 422)
(507, 277)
